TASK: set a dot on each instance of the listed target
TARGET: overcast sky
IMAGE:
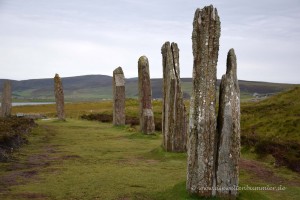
(39, 38)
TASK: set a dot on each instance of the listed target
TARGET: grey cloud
(84, 34)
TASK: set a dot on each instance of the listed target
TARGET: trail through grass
(90, 160)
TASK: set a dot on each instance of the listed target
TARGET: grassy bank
(272, 127)
(276, 118)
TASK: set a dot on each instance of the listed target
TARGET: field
(95, 87)
(80, 159)
(89, 160)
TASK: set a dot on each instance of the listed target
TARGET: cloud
(40, 38)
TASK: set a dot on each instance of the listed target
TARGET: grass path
(89, 160)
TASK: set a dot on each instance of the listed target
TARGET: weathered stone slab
(147, 125)
(6, 103)
(59, 97)
(202, 120)
(227, 169)
(118, 97)
(174, 119)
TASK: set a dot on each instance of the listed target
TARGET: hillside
(95, 87)
(77, 88)
(272, 126)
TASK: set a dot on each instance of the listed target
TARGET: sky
(39, 38)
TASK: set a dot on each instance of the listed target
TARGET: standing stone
(145, 97)
(59, 97)
(202, 121)
(227, 170)
(174, 117)
(118, 97)
(6, 99)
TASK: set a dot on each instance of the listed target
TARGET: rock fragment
(6, 103)
(118, 97)
(59, 98)
(201, 146)
(174, 118)
(147, 125)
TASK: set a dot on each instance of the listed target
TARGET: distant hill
(95, 87)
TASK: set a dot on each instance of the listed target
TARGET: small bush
(13, 133)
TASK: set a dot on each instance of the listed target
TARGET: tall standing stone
(6, 99)
(118, 97)
(174, 127)
(227, 170)
(59, 97)
(145, 97)
(202, 121)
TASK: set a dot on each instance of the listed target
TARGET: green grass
(276, 118)
(89, 160)
(75, 110)
(272, 126)
(105, 162)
